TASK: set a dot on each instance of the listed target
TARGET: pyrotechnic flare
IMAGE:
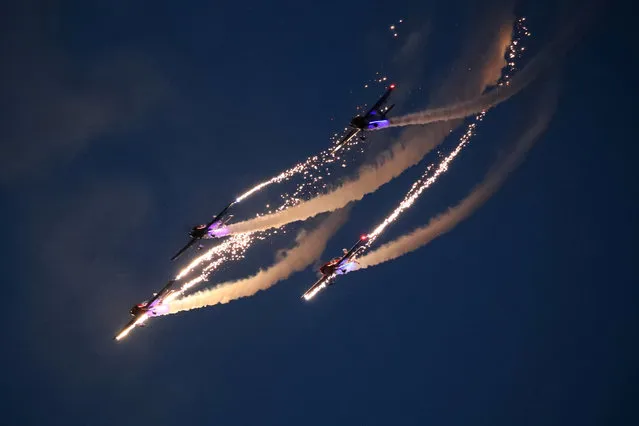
(425, 182)
(232, 248)
(306, 168)
(285, 175)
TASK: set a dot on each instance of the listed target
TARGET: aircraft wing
(185, 248)
(161, 295)
(317, 287)
(220, 216)
(350, 135)
(381, 100)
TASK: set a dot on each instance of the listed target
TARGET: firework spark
(231, 248)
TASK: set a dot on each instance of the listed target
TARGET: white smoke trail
(492, 182)
(552, 53)
(309, 247)
(413, 144)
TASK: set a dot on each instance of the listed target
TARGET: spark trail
(232, 249)
(425, 182)
(285, 175)
(306, 168)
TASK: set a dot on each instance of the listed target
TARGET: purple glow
(161, 309)
(378, 124)
(347, 267)
(218, 232)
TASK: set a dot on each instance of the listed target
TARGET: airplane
(214, 229)
(375, 118)
(150, 308)
(337, 266)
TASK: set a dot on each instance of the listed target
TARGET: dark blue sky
(123, 124)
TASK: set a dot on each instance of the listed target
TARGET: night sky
(125, 123)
